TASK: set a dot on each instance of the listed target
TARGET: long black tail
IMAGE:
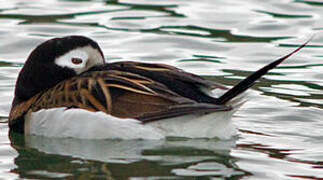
(250, 80)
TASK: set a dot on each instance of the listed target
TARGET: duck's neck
(32, 80)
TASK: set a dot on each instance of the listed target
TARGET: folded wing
(125, 94)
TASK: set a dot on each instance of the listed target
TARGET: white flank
(79, 123)
(83, 124)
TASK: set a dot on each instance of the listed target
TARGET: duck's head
(54, 61)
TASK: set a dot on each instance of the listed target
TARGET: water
(280, 127)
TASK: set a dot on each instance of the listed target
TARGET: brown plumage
(121, 93)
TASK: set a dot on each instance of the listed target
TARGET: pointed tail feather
(250, 80)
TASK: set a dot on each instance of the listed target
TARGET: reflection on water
(281, 127)
(48, 157)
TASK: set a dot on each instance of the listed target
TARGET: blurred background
(280, 127)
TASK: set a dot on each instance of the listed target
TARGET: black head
(54, 61)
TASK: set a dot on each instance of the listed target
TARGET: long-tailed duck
(65, 89)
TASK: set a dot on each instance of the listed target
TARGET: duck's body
(70, 92)
(125, 100)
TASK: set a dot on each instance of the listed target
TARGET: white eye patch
(80, 59)
(70, 58)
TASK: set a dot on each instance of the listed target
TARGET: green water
(280, 127)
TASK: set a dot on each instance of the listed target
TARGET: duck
(66, 89)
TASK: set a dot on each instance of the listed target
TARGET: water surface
(280, 127)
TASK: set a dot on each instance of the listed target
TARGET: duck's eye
(77, 60)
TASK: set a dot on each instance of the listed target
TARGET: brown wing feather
(121, 94)
(170, 71)
(183, 83)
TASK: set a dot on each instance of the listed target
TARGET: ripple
(279, 15)
(314, 3)
(280, 126)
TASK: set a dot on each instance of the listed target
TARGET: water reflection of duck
(65, 89)
(42, 157)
